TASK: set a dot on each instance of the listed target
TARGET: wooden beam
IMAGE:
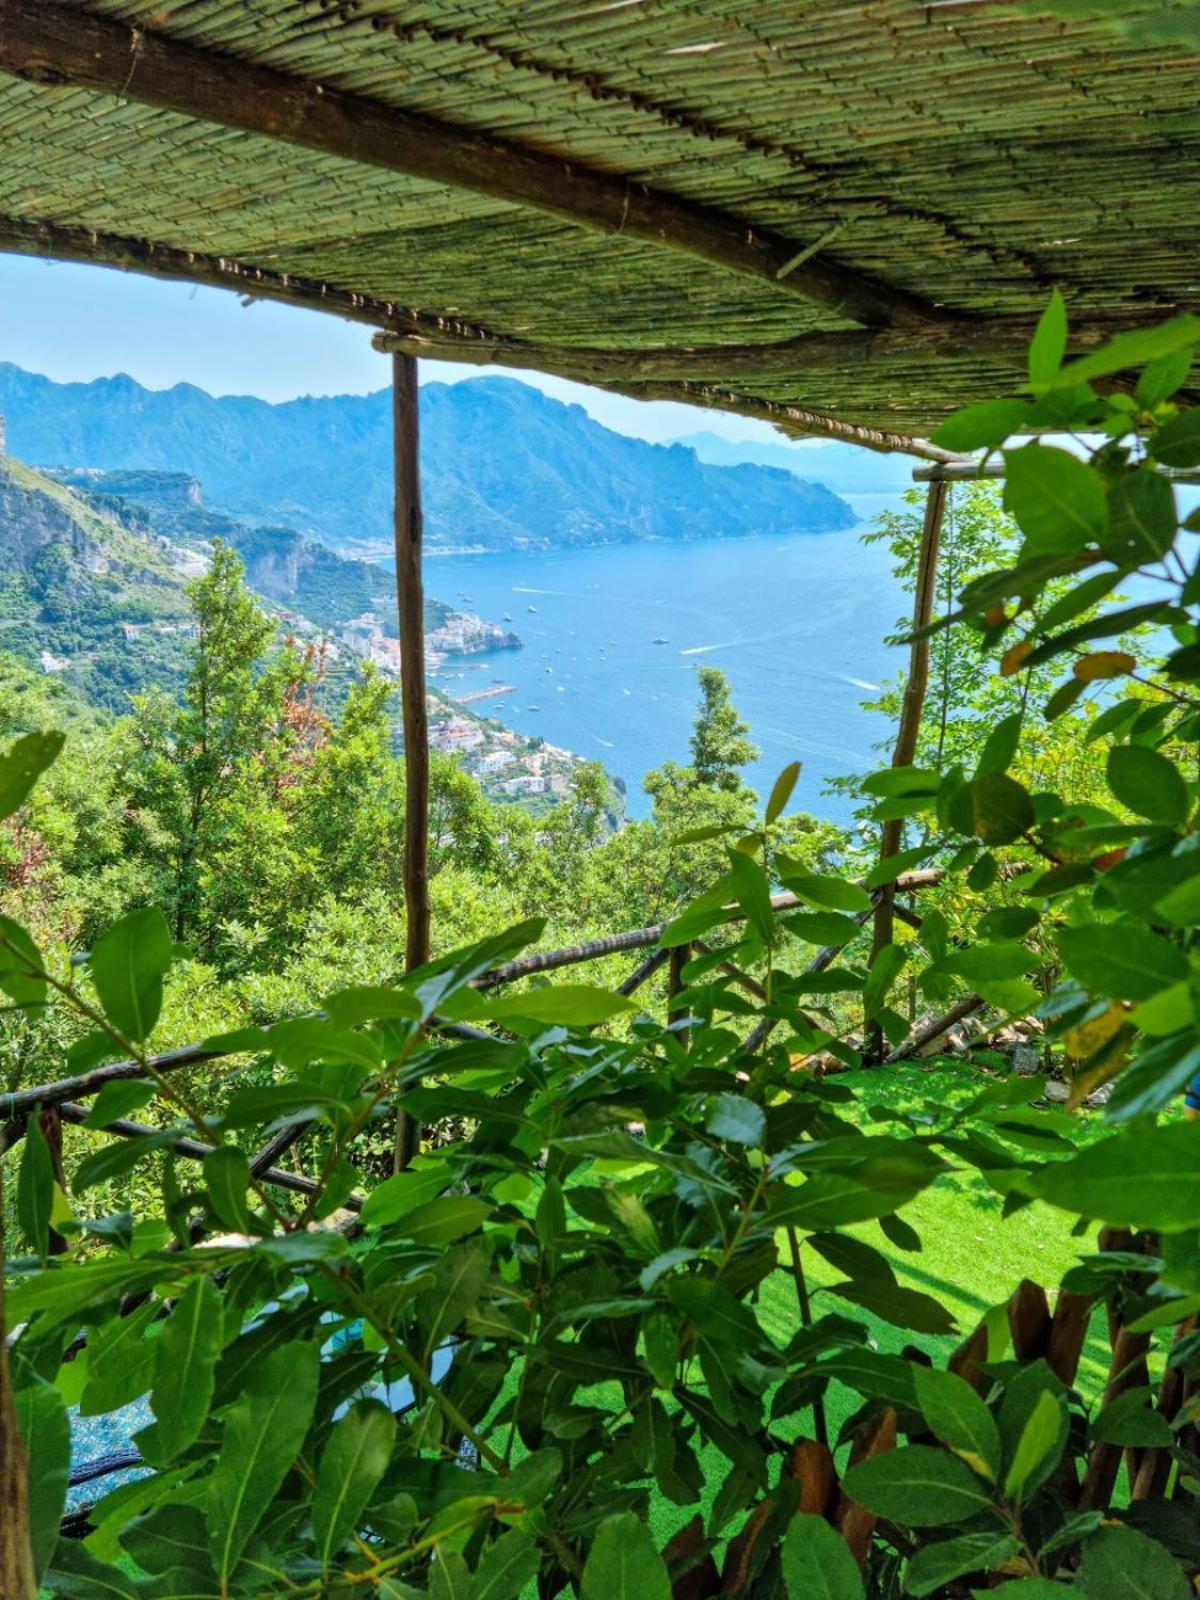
(410, 596)
(196, 1150)
(22, 1102)
(655, 375)
(973, 468)
(47, 43)
(18, 1105)
(933, 1028)
(416, 332)
(796, 422)
(1002, 342)
(57, 242)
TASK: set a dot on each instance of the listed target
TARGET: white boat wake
(703, 649)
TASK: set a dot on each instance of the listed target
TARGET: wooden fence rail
(17, 1106)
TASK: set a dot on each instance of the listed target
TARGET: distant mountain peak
(505, 465)
(845, 468)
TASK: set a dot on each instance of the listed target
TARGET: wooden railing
(59, 1104)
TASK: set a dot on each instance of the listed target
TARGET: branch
(927, 1032)
(195, 1150)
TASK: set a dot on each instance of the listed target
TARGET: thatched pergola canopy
(814, 211)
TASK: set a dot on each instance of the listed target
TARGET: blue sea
(614, 634)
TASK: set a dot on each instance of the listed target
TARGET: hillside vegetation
(697, 1280)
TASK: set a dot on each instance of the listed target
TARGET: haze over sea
(797, 624)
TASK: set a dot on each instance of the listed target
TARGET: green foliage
(557, 1331)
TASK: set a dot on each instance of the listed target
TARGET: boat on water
(533, 708)
(661, 640)
(531, 608)
(507, 617)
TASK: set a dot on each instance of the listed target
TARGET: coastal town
(508, 765)
(147, 534)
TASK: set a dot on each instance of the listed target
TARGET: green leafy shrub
(536, 1361)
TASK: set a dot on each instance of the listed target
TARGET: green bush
(541, 1349)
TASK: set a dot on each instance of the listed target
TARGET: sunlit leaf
(817, 1563)
(1057, 500)
(623, 1563)
(35, 1187)
(185, 1358)
(781, 791)
(45, 1432)
(127, 965)
(1049, 343)
(263, 1433)
(1146, 782)
(22, 765)
(918, 1487)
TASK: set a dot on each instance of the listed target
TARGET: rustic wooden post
(910, 718)
(16, 1556)
(410, 595)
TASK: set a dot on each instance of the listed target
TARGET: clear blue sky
(76, 323)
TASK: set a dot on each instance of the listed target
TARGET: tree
(605, 1328)
(962, 703)
(720, 739)
(191, 753)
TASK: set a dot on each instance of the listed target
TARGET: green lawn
(971, 1259)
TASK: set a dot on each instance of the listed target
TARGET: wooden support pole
(910, 717)
(16, 1556)
(410, 596)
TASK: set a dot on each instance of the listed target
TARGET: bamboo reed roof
(781, 207)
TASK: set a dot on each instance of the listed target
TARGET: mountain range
(504, 466)
(844, 468)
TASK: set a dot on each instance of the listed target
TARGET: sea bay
(613, 636)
